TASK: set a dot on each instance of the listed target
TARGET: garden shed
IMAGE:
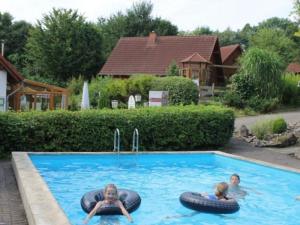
(20, 94)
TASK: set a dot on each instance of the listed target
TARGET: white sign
(131, 102)
(3, 86)
(158, 98)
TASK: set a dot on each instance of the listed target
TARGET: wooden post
(51, 102)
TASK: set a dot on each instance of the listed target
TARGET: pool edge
(41, 207)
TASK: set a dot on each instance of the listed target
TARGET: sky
(185, 14)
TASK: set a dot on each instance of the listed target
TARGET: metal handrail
(135, 140)
(117, 141)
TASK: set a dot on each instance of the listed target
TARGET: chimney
(152, 40)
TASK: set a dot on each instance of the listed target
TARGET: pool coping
(42, 208)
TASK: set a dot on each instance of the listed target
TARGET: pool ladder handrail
(135, 140)
(117, 141)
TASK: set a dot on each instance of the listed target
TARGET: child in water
(235, 191)
(220, 192)
(110, 198)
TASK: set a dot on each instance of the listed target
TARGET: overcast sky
(185, 14)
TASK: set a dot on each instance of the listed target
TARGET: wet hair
(221, 189)
(112, 186)
(236, 175)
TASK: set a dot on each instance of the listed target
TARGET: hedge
(181, 90)
(167, 128)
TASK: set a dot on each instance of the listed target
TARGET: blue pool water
(161, 178)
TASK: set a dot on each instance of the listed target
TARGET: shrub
(262, 129)
(168, 128)
(75, 86)
(259, 75)
(233, 99)
(279, 126)
(140, 84)
(173, 69)
(290, 90)
(242, 85)
(263, 105)
(181, 90)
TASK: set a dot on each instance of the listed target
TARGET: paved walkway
(11, 206)
(291, 117)
(12, 210)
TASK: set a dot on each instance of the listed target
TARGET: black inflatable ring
(198, 202)
(130, 199)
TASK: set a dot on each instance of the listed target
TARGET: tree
(296, 10)
(63, 45)
(14, 35)
(111, 30)
(202, 31)
(136, 22)
(245, 35)
(139, 20)
(275, 23)
(275, 40)
(173, 69)
(228, 37)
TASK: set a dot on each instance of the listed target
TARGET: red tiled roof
(140, 55)
(196, 57)
(226, 51)
(293, 68)
(10, 69)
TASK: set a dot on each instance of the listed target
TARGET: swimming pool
(161, 178)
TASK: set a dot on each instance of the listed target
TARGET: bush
(262, 129)
(75, 89)
(173, 69)
(242, 86)
(233, 99)
(290, 90)
(140, 84)
(279, 126)
(263, 105)
(259, 75)
(168, 128)
(181, 90)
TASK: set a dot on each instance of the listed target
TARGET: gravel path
(290, 117)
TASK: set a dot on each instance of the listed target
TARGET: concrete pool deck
(12, 209)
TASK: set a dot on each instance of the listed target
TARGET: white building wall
(3, 86)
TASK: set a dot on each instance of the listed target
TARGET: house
(20, 94)
(230, 55)
(293, 68)
(198, 57)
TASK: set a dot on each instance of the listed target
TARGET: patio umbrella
(85, 101)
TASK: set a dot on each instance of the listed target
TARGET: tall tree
(63, 45)
(296, 10)
(275, 40)
(228, 37)
(202, 30)
(14, 35)
(137, 21)
(287, 26)
(111, 30)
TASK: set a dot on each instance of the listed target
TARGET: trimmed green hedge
(167, 128)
